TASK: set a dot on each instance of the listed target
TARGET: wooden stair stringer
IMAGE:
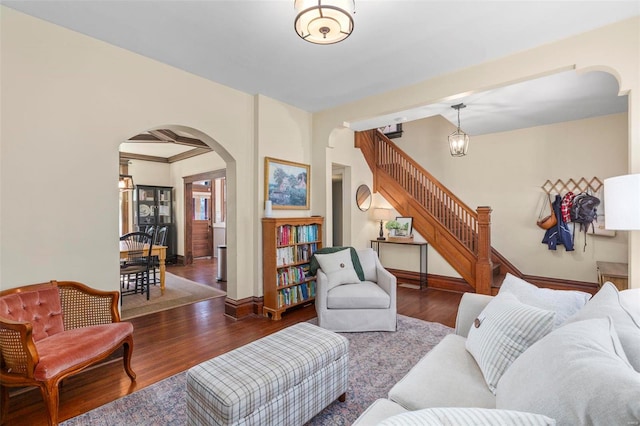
(461, 259)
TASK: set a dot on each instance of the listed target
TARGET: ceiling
(251, 46)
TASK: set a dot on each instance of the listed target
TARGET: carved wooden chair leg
(5, 403)
(51, 396)
(128, 353)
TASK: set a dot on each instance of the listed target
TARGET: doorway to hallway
(205, 214)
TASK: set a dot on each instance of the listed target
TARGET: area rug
(178, 292)
(376, 362)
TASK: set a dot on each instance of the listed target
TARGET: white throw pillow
(578, 374)
(563, 302)
(606, 303)
(504, 329)
(466, 416)
(367, 259)
(338, 267)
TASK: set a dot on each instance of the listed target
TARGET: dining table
(156, 250)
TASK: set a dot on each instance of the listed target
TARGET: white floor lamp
(622, 202)
(622, 212)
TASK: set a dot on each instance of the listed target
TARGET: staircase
(461, 235)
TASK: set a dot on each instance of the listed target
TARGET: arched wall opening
(531, 258)
(209, 164)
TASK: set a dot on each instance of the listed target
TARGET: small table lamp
(622, 202)
(382, 214)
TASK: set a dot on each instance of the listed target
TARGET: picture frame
(286, 184)
(407, 226)
(392, 131)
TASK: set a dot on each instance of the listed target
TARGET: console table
(375, 244)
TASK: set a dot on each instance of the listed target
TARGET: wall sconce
(458, 140)
(622, 202)
(125, 183)
(382, 214)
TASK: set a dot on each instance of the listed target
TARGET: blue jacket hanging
(560, 233)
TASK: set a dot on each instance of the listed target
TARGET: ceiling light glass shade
(125, 183)
(458, 140)
(324, 21)
(458, 143)
(622, 202)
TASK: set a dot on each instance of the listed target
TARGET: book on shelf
(289, 234)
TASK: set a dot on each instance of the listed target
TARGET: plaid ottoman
(282, 379)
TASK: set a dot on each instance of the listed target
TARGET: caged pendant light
(324, 21)
(458, 140)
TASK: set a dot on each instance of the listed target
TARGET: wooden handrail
(448, 209)
(441, 214)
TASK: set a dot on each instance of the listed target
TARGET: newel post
(484, 267)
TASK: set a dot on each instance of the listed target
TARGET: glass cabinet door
(164, 206)
(146, 206)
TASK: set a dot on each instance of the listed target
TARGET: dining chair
(135, 269)
(159, 240)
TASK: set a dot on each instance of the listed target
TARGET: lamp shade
(324, 21)
(382, 214)
(622, 202)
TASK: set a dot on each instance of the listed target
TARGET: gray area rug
(376, 362)
(178, 292)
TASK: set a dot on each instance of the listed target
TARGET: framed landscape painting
(286, 184)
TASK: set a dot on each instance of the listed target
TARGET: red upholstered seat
(53, 330)
(65, 350)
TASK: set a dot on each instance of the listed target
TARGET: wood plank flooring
(168, 342)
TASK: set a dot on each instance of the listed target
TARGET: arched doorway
(163, 156)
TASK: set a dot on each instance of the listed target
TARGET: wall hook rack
(581, 185)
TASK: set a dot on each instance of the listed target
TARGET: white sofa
(602, 388)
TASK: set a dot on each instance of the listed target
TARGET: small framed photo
(286, 184)
(392, 130)
(406, 226)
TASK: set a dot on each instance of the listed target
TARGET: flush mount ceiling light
(458, 140)
(324, 21)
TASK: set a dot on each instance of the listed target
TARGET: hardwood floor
(172, 341)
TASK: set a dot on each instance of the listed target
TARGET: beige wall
(282, 132)
(506, 170)
(68, 101)
(150, 173)
(613, 48)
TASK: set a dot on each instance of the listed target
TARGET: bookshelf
(287, 247)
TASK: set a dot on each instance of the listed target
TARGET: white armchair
(368, 305)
